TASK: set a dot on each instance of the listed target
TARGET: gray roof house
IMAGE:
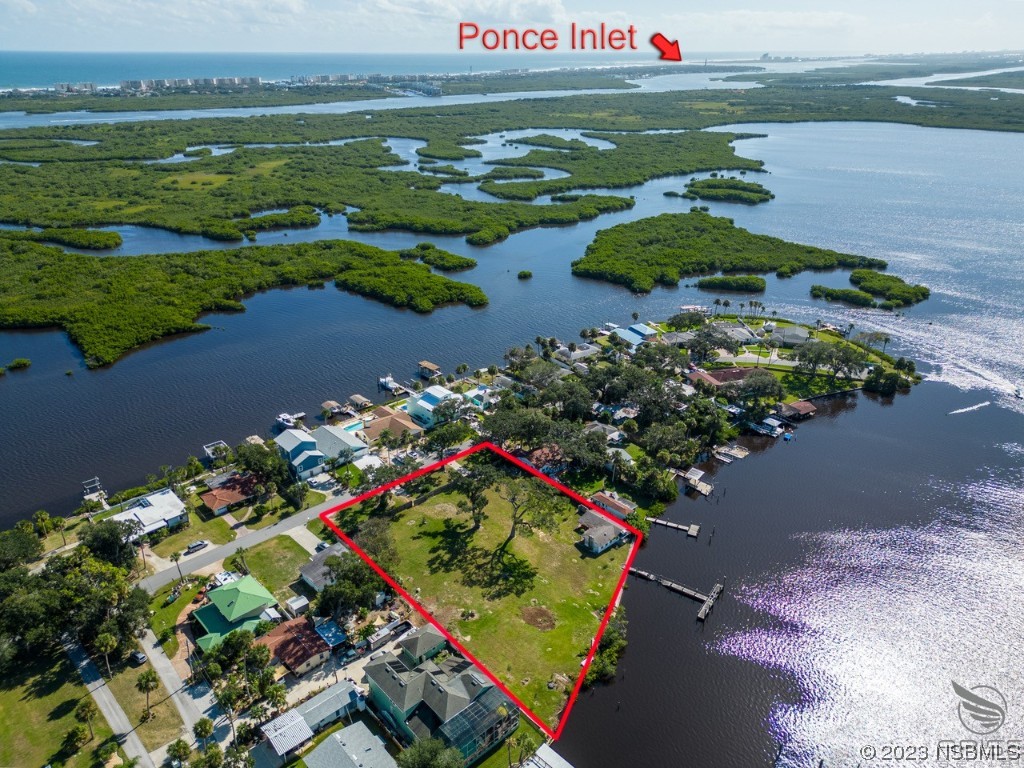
(790, 335)
(599, 533)
(351, 747)
(287, 732)
(334, 441)
(315, 573)
(330, 705)
(451, 700)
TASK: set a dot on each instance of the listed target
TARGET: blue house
(645, 332)
(300, 451)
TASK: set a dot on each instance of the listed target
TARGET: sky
(377, 26)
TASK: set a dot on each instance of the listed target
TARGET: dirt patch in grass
(539, 617)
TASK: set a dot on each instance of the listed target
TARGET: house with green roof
(241, 604)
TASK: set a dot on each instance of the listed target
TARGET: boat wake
(971, 408)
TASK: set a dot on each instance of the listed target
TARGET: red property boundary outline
(637, 539)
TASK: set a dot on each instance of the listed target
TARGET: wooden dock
(689, 530)
(692, 478)
(707, 601)
(734, 451)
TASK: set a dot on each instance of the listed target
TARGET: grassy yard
(536, 612)
(277, 510)
(37, 706)
(214, 530)
(275, 564)
(165, 726)
(499, 757)
(164, 616)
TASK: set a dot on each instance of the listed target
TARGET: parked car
(195, 546)
(320, 547)
(138, 658)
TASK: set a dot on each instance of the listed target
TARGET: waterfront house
(612, 502)
(790, 336)
(738, 333)
(338, 443)
(645, 332)
(633, 340)
(481, 397)
(677, 338)
(386, 418)
(719, 377)
(299, 449)
(423, 406)
(162, 509)
(599, 533)
(581, 352)
(230, 491)
(450, 700)
(296, 645)
(354, 746)
(315, 573)
(240, 604)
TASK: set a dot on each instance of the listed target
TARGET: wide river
(867, 563)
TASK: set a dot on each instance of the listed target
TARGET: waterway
(867, 563)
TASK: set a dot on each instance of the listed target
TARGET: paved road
(108, 705)
(210, 555)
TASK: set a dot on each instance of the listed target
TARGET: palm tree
(717, 303)
(461, 368)
(227, 699)
(105, 644)
(885, 341)
(175, 557)
(388, 440)
(59, 524)
(726, 303)
(85, 712)
(203, 729)
(240, 558)
(635, 316)
(147, 683)
(773, 346)
(742, 305)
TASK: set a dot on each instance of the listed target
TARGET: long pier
(707, 601)
(689, 530)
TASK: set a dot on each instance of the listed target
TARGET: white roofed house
(422, 407)
(162, 509)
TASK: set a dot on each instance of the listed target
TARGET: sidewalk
(108, 705)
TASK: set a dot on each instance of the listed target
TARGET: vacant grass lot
(275, 563)
(536, 612)
(166, 723)
(37, 707)
(214, 530)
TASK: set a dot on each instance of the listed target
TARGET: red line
(554, 734)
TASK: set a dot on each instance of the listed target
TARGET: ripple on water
(876, 623)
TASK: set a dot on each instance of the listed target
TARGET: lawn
(275, 564)
(165, 726)
(215, 530)
(37, 704)
(278, 509)
(526, 731)
(534, 613)
(164, 616)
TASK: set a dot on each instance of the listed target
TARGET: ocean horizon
(43, 69)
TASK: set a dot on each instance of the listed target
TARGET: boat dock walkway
(689, 530)
(707, 601)
(693, 481)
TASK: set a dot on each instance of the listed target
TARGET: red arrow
(669, 48)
